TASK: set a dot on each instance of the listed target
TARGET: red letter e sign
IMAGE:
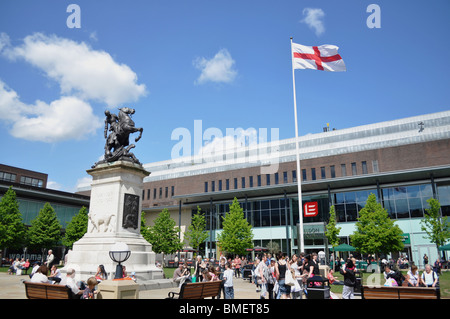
(310, 209)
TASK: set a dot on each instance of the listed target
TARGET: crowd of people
(284, 277)
(275, 277)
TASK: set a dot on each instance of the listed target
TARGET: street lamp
(119, 253)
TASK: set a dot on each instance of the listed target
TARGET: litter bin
(317, 288)
(358, 286)
(247, 274)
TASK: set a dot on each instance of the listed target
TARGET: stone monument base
(114, 216)
(120, 289)
(88, 253)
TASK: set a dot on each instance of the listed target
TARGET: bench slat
(400, 293)
(199, 290)
(46, 291)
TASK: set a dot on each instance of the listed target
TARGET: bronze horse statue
(117, 144)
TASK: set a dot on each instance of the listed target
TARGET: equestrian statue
(117, 146)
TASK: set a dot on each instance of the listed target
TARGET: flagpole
(297, 151)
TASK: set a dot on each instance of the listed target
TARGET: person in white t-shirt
(228, 277)
(70, 282)
(40, 275)
(429, 278)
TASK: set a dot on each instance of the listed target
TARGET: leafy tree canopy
(237, 234)
(12, 228)
(375, 231)
(76, 228)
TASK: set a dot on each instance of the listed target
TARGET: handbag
(288, 279)
(275, 288)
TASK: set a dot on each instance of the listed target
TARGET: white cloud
(84, 182)
(80, 70)
(63, 119)
(219, 69)
(313, 19)
(54, 185)
(83, 75)
(4, 41)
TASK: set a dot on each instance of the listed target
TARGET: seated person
(333, 280)
(70, 282)
(429, 277)
(55, 275)
(90, 292)
(40, 275)
(181, 273)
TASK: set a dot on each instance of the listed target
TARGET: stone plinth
(114, 216)
(118, 289)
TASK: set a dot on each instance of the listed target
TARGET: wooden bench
(197, 290)
(381, 292)
(36, 290)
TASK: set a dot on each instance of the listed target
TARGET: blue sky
(226, 63)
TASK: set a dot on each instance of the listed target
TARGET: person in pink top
(237, 266)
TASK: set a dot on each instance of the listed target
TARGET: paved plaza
(11, 287)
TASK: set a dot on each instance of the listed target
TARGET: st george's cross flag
(323, 57)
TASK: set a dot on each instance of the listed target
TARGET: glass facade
(406, 201)
(400, 202)
(30, 209)
(348, 204)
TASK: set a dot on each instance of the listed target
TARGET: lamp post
(119, 253)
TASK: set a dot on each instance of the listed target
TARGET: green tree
(163, 235)
(12, 228)
(273, 247)
(375, 232)
(144, 228)
(332, 231)
(196, 233)
(76, 228)
(45, 230)
(237, 233)
(435, 226)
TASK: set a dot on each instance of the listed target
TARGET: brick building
(403, 162)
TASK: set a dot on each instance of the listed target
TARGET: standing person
(263, 274)
(50, 259)
(425, 260)
(282, 266)
(429, 277)
(313, 266)
(296, 267)
(243, 264)
(221, 270)
(349, 270)
(198, 269)
(228, 277)
(237, 266)
(272, 278)
(437, 266)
